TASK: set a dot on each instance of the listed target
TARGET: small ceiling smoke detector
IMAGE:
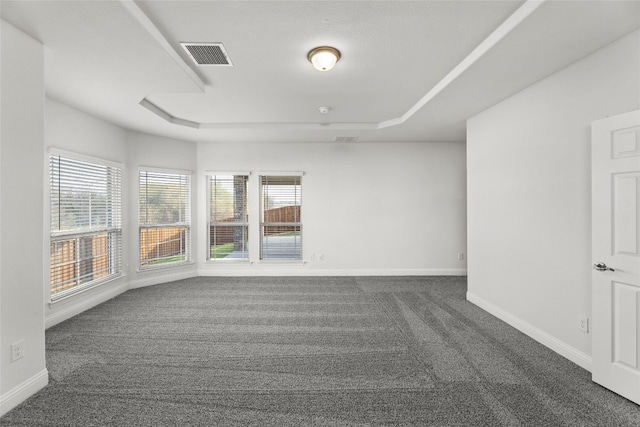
(207, 54)
(324, 110)
(324, 58)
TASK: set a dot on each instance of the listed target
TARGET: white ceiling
(410, 70)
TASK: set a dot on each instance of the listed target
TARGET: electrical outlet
(583, 324)
(460, 256)
(17, 350)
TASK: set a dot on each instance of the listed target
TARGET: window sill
(82, 289)
(221, 261)
(281, 262)
(165, 267)
(244, 262)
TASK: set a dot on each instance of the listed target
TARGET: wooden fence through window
(78, 260)
(159, 244)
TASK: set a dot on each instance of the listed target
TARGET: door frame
(615, 339)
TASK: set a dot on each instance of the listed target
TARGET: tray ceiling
(410, 71)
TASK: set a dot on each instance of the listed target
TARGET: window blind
(228, 217)
(281, 224)
(164, 218)
(86, 224)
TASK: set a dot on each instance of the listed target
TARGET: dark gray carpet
(308, 351)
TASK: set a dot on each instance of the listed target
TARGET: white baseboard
(563, 349)
(22, 392)
(63, 310)
(280, 269)
(156, 280)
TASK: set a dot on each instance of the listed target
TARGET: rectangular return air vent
(207, 53)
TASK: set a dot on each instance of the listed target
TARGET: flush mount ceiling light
(324, 58)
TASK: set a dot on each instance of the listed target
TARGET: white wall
(21, 223)
(368, 208)
(529, 207)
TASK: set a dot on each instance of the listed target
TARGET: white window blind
(164, 218)
(86, 224)
(280, 224)
(228, 217)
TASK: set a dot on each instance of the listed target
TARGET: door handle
(601, 266)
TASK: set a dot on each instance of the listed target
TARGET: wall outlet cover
(583, 324)
(17, 350)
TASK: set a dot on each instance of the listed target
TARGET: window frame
(298, 246)
(186, 223)
(112, 230)
(246, 223)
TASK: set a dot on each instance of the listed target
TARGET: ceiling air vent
(207, 53)
(345, 138)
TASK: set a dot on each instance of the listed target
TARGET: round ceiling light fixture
(324, 58)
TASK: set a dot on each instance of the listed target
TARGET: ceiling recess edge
(522, 13)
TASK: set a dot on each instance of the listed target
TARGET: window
(228, 219)
(86, 224)
(280, 225)
(164, 218)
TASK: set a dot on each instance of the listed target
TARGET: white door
(615, 150)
